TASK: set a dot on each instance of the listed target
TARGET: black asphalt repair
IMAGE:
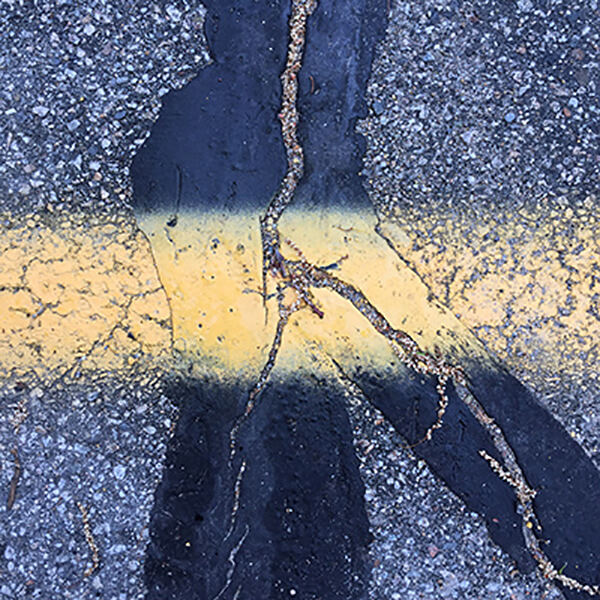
(567, 481)
(301, 521)
(217, 144)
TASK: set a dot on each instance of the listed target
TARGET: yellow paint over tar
(527, 284)
(81, 295)
(211, 269)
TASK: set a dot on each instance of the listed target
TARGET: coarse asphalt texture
(82, 83)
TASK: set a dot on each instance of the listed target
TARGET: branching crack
(295, 278)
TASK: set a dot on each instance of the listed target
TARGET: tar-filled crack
(295, 278)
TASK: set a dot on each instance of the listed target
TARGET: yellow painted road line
(528, 287)
(80, 295)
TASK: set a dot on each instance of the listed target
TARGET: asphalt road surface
(451, 172)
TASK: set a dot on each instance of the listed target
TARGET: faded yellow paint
(79, 296)
(526, 284)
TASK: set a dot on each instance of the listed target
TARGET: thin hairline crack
(294, 279)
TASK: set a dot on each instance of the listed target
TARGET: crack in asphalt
(71, 294)
(300, 276)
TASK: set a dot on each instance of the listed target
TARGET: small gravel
(80, 86)
(491, 112)
(522, 81)
(87, 446)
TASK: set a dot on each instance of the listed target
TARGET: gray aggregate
(99, 445)
(486, 104)
(492, 108)
(80, 85)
